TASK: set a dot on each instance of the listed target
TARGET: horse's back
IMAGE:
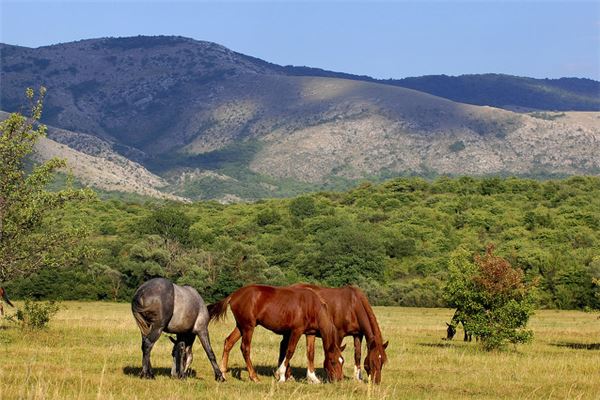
(276, 308)
(189, 310)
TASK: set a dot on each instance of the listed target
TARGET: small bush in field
(493, 299)
(35, 315)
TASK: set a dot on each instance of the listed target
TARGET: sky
(383, 39)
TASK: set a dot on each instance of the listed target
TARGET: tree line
(396, 240)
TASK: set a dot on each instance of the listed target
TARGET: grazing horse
(286, 311)
(457, 319)
(5, 297)
(161, 306)
(353, 316)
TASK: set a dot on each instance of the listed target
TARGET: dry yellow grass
(92, 351)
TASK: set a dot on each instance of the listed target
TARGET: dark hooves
(219, 378)
(147, 375)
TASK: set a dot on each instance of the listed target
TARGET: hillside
(218, 124)
(515, 93)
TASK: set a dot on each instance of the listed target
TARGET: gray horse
(161, 306)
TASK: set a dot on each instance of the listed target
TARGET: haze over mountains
(197, 120)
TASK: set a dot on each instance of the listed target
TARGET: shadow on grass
(269, 371)
(160, 371)
(578, 346)
(437, 345)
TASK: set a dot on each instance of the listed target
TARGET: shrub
(492, 297)
(35, 315)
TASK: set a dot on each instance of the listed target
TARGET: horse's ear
(447, 324)
(385, 345)
(342, 348)
(172, 340)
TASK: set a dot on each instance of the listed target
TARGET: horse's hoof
(147, 375)
(219, 378)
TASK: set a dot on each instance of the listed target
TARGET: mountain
(213, 123)
(93, 162)
(513, 93)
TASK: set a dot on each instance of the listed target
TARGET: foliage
(35, 315)
(31, 233)
(396, 240)
(492, 298)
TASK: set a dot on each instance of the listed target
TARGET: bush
(35, 315)
(492, 298)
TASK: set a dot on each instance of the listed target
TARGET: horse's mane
(370, 314)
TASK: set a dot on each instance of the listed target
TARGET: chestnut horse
(290, 312)
(353, 316)
(5, 297)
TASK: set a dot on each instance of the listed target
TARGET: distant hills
(513, 93)
(206, 122)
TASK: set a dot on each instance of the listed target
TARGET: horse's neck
(366, 320)
(457, 317)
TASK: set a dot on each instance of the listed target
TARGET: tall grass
(92, 351)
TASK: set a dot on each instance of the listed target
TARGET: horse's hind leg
(147, 344)
(357, 356)
(311, 376)
(246, 347)
(233, 337)
(205, 340)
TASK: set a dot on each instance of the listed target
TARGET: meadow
(92, 351)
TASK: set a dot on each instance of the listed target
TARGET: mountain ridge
(202, 116)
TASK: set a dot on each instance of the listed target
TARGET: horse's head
(180, 357)
(450, 331)
(334, 364)
(375, 359)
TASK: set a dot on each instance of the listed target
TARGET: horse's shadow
(269, 371)
(578, 346)
(158, 371)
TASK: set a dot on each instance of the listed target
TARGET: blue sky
(389, 39)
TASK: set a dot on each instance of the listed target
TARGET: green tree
(492, 297)
(31, 233)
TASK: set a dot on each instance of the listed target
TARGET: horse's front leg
(357, 356)
(205, 340)
(291, 347)
(189, 342)
(311, 376)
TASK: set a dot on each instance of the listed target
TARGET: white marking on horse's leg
(311, 377)
(357, 373)
(281, 372)
(174, 368)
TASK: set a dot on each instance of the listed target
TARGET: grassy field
(92, 351)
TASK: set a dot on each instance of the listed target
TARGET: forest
(395, 240)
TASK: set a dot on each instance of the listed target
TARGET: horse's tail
(217, 310)
(138, 309)
(5, 297)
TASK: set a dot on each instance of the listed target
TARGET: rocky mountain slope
(214, 123)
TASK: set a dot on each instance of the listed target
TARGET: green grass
(92, 351)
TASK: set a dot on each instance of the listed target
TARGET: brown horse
(5, 297)
(353, 316)
(286, 311)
